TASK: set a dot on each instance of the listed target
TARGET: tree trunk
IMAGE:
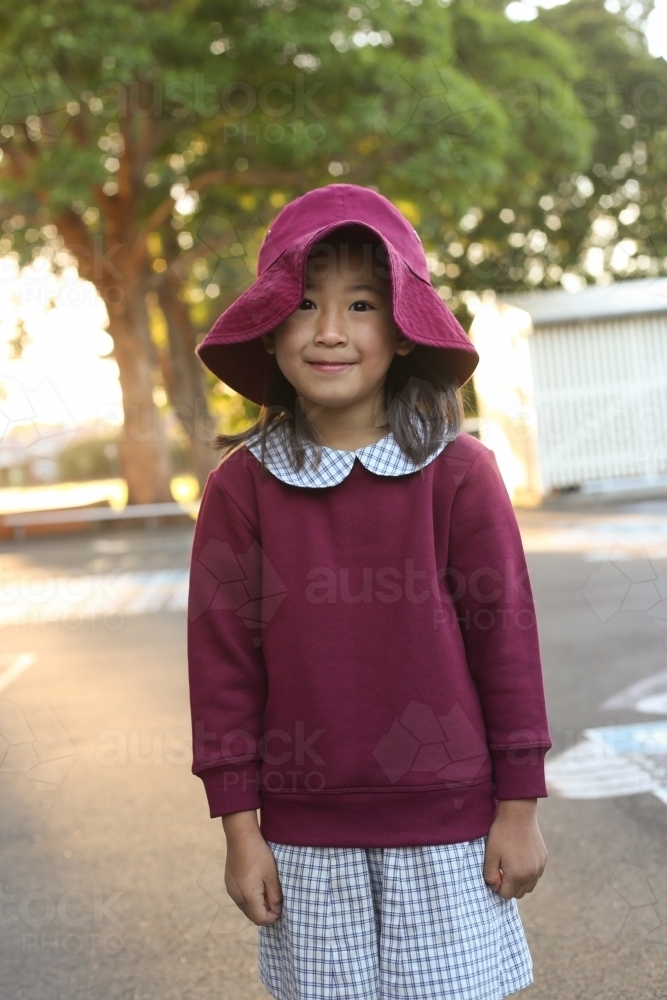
(109, 265)
(142, 447)
(184, 379)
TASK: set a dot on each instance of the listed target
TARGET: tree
(123, 123)
(603, 221)
(616, 227)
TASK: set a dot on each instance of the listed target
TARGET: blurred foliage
(233, 413)
(619, 230)
(97, 458)
(605, 221)
(185, 126)
(92, 458)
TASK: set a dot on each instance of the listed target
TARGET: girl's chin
(330, 399)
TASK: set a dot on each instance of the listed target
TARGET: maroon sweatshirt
(364, 658)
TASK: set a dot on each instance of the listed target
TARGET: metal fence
(601, 399)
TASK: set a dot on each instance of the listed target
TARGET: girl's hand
(251, 875)
(515, 854)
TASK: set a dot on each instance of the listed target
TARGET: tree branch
(19, 160)
(77, 239)
(248, 179)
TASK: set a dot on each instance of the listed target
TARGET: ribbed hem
(381, 818)
(233, 788)
(519, 773)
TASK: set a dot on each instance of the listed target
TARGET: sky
(656, 30)
(61, 377)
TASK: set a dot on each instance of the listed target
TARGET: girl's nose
(330, 327)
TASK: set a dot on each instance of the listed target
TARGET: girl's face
(336, 348)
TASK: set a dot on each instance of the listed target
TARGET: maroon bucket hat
(232, 349)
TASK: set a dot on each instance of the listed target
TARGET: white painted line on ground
(611, 761)
(18, 662)
(648, 695)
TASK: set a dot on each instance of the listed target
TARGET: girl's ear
(268, 339)
(404, 345)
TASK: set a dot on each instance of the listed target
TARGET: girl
(364, 659)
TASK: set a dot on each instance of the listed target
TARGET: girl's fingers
(508, 889)
(274, 896)
(273, 892)
(256, 908)
(518, 888)
(531, 885)
(247, 891)
(274, 900)
(257, 894)
(491, 871)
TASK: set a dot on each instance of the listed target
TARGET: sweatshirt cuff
(233, 788)
(518, 773)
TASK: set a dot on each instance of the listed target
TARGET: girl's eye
(307, 304)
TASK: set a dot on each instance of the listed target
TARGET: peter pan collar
(384, 458)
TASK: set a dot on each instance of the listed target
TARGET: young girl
(364, 659)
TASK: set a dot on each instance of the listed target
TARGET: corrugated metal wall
(601, 399)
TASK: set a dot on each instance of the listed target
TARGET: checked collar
(384, 458)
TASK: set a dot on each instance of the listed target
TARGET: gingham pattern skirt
(393, 923)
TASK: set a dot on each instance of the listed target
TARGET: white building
(572, 388)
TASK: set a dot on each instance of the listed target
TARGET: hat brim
(234, 353)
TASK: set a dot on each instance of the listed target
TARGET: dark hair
(423, 404)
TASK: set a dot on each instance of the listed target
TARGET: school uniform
(380, 777)
(365, 670)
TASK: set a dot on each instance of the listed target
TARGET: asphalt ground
(111, 871)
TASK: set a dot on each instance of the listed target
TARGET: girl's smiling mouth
(330, 366)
